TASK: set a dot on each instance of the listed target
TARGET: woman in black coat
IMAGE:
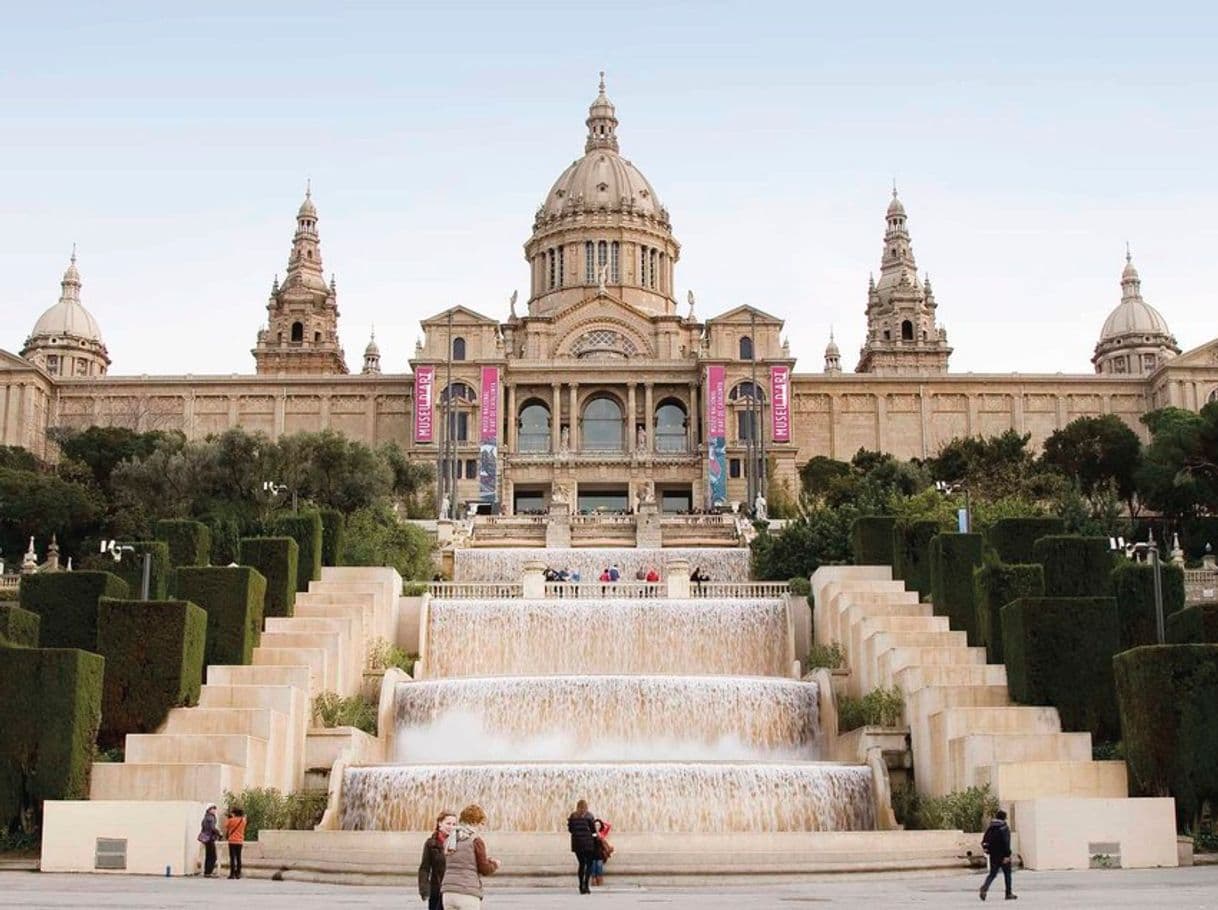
(431, 869)
(582, 826)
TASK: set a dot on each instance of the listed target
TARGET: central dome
(601, 181)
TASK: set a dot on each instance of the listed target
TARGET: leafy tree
(1099, 454)
(104, 448)
(816, 476)
(1179, 472)
(18, 459)
(374, 537)
(991, 467)
(39, 504)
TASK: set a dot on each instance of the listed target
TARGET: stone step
(1039, 779)
(263, 675)
(911, 679)
(312, 658)
(202, 782)
(892, 662)
(929, 700)
(860, 657)
(286, 750)
(969, 752)
(330, 643)
(953, 723)
(351, 646)
(262, 723)
(874, 646)
(360, 616)
(248, 752)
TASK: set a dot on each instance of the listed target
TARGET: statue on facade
(690, 297)
(649, 492)
(634, 502)
(512, 306)
(560, 495)
(602, 278)
(760, 509)
(445, 508)
(640, 442)
(564, 440)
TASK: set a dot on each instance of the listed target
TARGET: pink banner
(780, 410)
(716, 406)
(490, 405)
(424, 400)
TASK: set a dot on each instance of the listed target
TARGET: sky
(1030, 143)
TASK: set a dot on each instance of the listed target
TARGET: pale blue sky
(1029, 144)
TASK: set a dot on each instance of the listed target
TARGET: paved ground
(1181, 889)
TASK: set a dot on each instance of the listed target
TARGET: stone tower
(903, 338)
(66, 340)
(301, 336)
(372, 357)
(1135, 338)
(833, 356)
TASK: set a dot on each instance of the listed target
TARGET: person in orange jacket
(234, 833)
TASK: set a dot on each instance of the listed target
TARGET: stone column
(574, 418)
(631, 409)
(649, 417)
(533, 579)
(695, 435)
(280, 415)
(555, 423)
(676, 577)
(513, 421)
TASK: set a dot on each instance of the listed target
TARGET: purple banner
(780, 410)
(424, 400)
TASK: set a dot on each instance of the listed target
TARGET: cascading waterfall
(573, 636)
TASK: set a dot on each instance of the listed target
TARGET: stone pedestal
(533, 580)
(444, 531)
(647, 534)
(558, 527)
(676, 575)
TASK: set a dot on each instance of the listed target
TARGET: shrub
(383, 654)
(963, 810)
(226, 532)
(952, 560)
(871, 540)
(1168, 696)
(269, 809)
(332, 710)
(830, 656)
(10, 594)
(1058, 652)
(50, 707)
(994, 586)
(18, 627)
(1133, 584)
(154, 662)
(414, 588)
(1075, 566)
(131, 568)
(911, 554)
(878, 708)
(800, 586)
(66, 604)
(189, 542)
(305, 529)
(333, 525)
(1013, 539)
(275, 558)
(233, 598)
(1194, 625)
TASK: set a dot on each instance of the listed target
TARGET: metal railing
(728, 590)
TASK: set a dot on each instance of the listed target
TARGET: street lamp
(964, 517)
(1149, 550)
(275, 489)
(116, 550)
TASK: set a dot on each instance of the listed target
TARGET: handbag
(203, 838)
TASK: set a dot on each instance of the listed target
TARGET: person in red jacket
(603, 852)
(234, 833)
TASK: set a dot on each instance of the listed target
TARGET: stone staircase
(251, 725)
(964, 729)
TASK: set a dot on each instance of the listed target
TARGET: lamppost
(964, 517)
(116, 550)
(1148, 549)
(276, 489)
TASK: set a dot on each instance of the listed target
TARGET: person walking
(234, 833)
(208, 835)
(465, 862)
(582, 827)
(604, 850)
(431, 869)
(997, 844)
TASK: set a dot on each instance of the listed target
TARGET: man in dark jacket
(997, 843)
(582, 826)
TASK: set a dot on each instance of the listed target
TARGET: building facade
(602, 385)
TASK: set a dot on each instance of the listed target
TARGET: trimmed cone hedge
(66, 604)
(275, 559)
(911, 554)
(1168, 697)
(154, 662)
(305, 529)
(18, 627)
(1058, 652)
(1194, 625)
(1133, 583)
(189, 542)
(233, 598)
(333, 527)
(50, 706)
(994, 586)
(1075, 566)
(871, 540)
(952, 560)
(1013, 539)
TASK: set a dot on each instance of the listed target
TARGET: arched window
(907, 330)
(1213, 395)
(534, 428)
(746, 348)
(745, 390)
(651, 269)
(601, 428)
(317, 337)
(643, 266)
(614, 259)
(458, 348)
(602, 257)
(747, 418)
(459, 391)
(298, 331)
(671, 427)
(589, 263)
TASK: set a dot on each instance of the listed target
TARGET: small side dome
(307, 208)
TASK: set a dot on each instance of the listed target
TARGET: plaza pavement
(1180, 889)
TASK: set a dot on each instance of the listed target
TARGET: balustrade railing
(618, 590)
(1200, 586)
(470, 590)
(734, 589)
(9, 582)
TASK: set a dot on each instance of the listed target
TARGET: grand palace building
(603, 383)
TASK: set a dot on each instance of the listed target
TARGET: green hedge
(50, 707)
(871, 540)
(154, 662)
(1075, 566)
(911, 554)
(1012, 539)
(275, 558)
(131, 568)
(189, 541)
(305, 529)
(66, 604)
(18, 627)
(333, 527)
(994, 586)
(1168, 697)
(1194, 625)
(1058, 652)
(953, 557)
(1133, 584)
(233, 598)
